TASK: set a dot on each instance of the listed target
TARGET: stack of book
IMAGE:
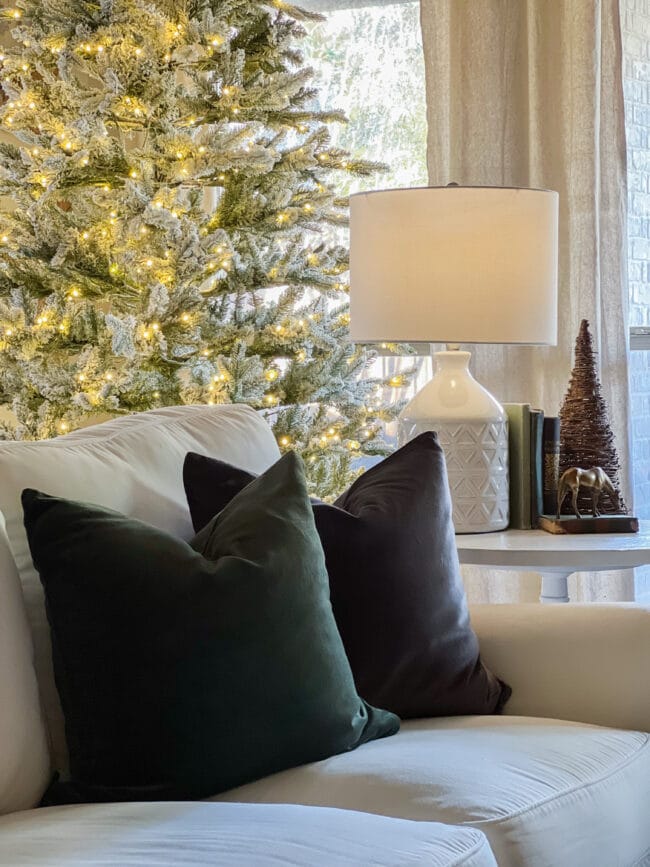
(534, 445)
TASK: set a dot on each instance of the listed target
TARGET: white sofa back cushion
(132, 464)
(24, 758)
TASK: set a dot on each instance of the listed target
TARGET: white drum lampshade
(457, 265)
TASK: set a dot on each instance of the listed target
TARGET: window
(369, 63)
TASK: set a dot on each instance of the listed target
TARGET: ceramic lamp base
(473, 431)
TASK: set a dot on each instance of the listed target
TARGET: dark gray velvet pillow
(395, 581)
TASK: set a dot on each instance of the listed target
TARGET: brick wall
(635, 21)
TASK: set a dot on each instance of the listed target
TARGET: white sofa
(562, 778)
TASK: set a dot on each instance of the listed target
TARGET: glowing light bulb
(138, 52)
(202, 149)
(133, 173)
(16, 13)
(9, 332)
(155, 327)
(81, 377)
(185, 317)
(67, 145)
(284, 441)
(179, 155)
(156, 394)
(149, 263)
(85, 235)
(109, 376)
(4, 239)
(75, 293)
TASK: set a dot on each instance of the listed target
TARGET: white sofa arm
(588, 663)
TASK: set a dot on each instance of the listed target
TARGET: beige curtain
(529, 93)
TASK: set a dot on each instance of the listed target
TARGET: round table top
(536, 549)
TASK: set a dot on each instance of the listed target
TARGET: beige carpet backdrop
(529, 93)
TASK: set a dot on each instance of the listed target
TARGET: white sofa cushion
(132, 464)
(24, 759)
(237, 835)
(546, 793)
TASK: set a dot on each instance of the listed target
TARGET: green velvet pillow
(188, 669)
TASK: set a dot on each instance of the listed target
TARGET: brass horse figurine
(595, 480)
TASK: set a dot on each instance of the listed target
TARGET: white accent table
(556, 557)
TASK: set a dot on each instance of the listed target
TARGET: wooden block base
(568, 524)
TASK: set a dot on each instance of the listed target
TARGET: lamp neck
(452, 360)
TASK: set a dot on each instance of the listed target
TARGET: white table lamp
(457, 265)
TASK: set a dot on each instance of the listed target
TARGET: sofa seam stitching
(567, 792)
(483, 843)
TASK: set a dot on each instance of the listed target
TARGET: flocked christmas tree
(166, 183)
(586, 438)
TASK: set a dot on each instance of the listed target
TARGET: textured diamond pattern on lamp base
(476, 454)
(472, 427)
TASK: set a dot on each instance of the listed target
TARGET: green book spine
(536, 466)
(519, 448)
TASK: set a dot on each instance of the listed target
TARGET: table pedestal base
(555, 587)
